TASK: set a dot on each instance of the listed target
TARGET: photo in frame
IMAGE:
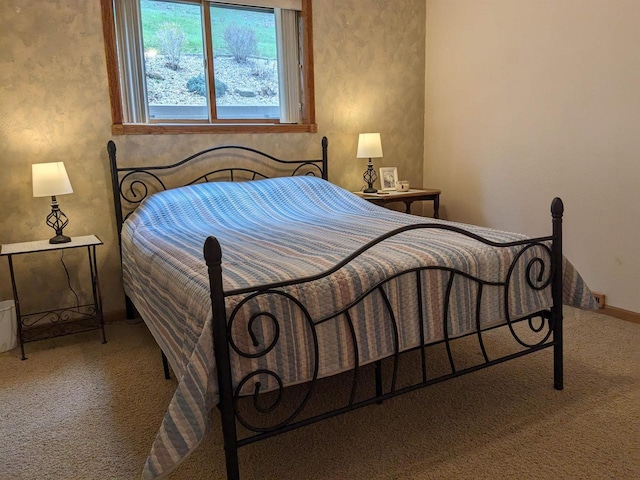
(388, 178)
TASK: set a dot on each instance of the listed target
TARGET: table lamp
(369, 146)
(51, 179)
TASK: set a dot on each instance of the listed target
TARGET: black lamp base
(57, 220)
(370, 177)
(59, 239)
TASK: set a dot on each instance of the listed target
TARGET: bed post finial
(557, 209)
(212, 251)
(325, 163)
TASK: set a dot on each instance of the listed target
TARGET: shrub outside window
(189, 66)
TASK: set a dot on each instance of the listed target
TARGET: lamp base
(57, 220)
(59, 239)
(369, 176)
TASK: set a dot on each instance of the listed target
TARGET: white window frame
(125, 66)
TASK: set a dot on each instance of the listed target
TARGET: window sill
(169, 129)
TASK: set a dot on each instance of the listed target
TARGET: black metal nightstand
(60, 321)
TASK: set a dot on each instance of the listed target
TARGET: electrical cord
(66, 271)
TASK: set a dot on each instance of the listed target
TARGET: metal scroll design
(538, 276)
(59, 316)
(264, 346)
(134, 190)
(314, 165)
(138, 184)
(41, 325)
(133, 184)
(531, 259)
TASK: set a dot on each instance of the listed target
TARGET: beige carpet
(77, 409)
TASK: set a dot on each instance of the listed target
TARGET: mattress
(282, 229)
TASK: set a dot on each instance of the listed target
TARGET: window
(189, 66)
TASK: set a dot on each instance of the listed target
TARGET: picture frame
(388, 178)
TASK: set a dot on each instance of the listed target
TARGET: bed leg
(379, 380)
(231, 457)
(558, 361)
(165, 366)
(557, 209)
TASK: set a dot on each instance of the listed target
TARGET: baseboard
(627, 315)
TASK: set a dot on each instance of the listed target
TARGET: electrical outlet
(599, 299)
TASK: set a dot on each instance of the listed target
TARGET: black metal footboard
(542, 269)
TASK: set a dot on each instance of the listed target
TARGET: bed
(257, 277)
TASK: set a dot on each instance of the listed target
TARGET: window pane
(174, 60)
(245, 62)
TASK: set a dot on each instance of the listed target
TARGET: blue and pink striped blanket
(288, 228)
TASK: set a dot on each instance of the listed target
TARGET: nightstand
(59, 321)
(413, 195)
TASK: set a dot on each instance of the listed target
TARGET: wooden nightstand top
(414, 193)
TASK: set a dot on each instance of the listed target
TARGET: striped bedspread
(287, 228)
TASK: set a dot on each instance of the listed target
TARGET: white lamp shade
(369, 145)
(50, 179)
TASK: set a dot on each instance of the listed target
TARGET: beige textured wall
(531, 99)
(54, 106)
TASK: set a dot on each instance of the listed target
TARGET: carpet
(77, 409)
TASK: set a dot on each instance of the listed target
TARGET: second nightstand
(413, 195)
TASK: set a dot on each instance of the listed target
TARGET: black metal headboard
(131, 185)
